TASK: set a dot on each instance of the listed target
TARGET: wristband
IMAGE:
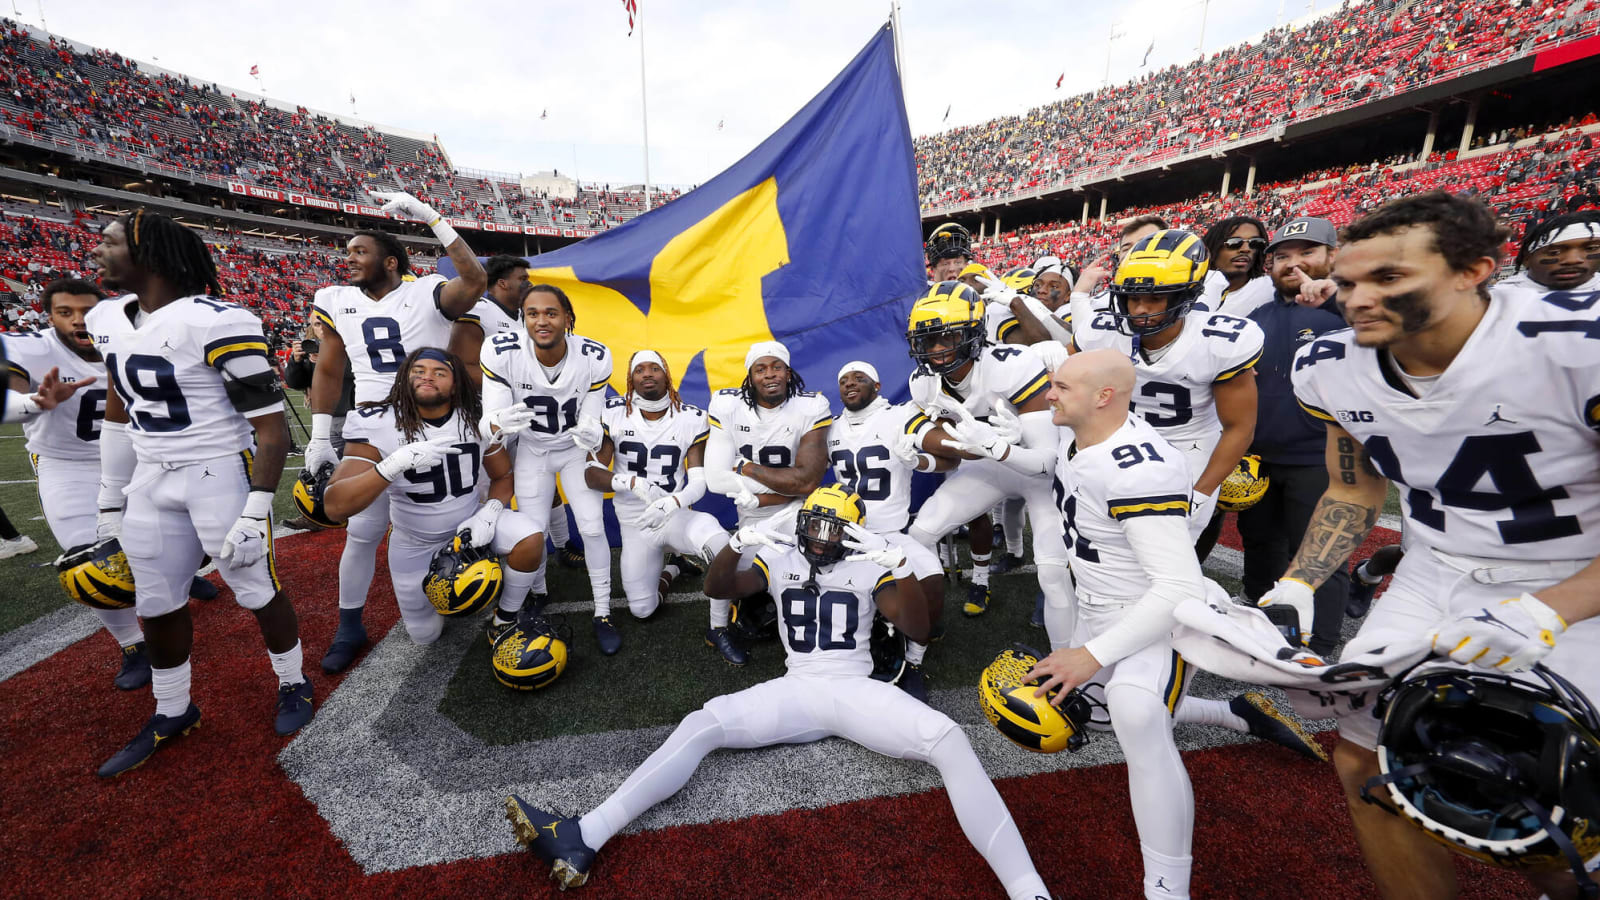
(621, 482)
(322, 426)
(258, 505)
(443, 231)
(930, 459)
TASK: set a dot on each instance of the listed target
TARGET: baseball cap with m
(1306, 228)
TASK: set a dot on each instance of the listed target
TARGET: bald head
(1092, 387)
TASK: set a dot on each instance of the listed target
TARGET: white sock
(1202, 711)
(915, 652)
(984, 818)
(660, 776)
(515, 591)
(288, 666)
(537, 585)
(1060, 604)
(1158, 787)
(122, 625)
(719, 612)
(980, 569)
(171, 689)
(1166, 877)
(1361, 573)
(1012, 520)
(557, 529)
(597, 559)
(355, 571)
(670, 572)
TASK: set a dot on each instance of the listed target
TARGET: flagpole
(644, 108)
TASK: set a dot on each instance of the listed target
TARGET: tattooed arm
(1347, 511)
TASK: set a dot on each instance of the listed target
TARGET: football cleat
(723, 642)
(201, 589)
(530, 655)
(347, 642)
(1359, 597)
(570, 557)
(498, 625)
(555, 839)
(156, 732)
(1005, 562)
(606, 635)
(1036, 619)
(913, 682)
(536, 601)
(135, 672)
(295, 707)
(1269, 724)
(977, 600)
(687, 568)
(21, 545)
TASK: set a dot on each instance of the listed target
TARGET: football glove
(587, 434)
(416, 455)
(906, 449)
(246, 542)
(479, 529)
(746, 499)
(995, 290)
(406, 206)
(107, 524)
(319, 449)
(977, 438)
(1510, 637)
(639, 487)
(1007, 425)
(872, 548)
(657, 511)
(750, 537)
(514, 418)
(1291, 604)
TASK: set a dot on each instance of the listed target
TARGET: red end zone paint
(215, 814)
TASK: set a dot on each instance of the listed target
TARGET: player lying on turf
(827, 600)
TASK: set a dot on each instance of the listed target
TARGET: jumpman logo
(551, 828)
(1161, 882)
(1496, 417)
(206, 473)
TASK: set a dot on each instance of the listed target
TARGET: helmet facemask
(964, 343)
(820, 535)
(1179, 302)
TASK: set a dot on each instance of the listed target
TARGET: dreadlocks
(464, 398)
(164, 248)
(1220, 232)
(672, 389)
(747, 390)
(1539, 233)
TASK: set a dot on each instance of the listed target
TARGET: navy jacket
(1285, 433)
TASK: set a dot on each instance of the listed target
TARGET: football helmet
(948, 319)
(1030, 722)
(1245, 485)
(888, 647)
(529, 655)
(308, 491)
(462, 579)
(819, 528)
(1503, 770)
(1020, 280)
(754, 618)
(947, 241)
(97, 575)
(1170, 264)
(969, 276)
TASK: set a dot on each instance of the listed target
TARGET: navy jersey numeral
(382, 337)
(91, 410)
(455, 476)
(771, 457)
(638, 458)
(809, 619)
(1129, 455)
(152, 379)
(858, 473)
(1075, 541)
(1179, 404)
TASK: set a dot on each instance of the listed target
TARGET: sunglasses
(1256, 245)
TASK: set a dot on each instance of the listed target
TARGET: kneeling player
(658, 445)
(422, 446)
(827, 602)
(1124, 494)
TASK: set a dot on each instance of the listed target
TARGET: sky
(537, 85)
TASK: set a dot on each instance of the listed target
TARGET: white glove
(872, 548)
(976, 438)
(1510, 637)
(406, 206)
(108, 524)
(1294, 595)
(746, 499)
(514, 418)
(658, 511)
(995, 290)
(416, 455)
(639, 487)
(751, 536)
(906, 449)
(247, 539)
(587, 434)
(1007, 425)
(479, 529)
(319, 449)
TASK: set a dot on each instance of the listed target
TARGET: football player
(547, 385)
(1123, 492)
(1484, 414)
(873, 458)
(422, 445)
(193, 391)
(1088, 297)
(374, 322)
(959, 382)
(949, 250)
(768, 446)
(827, 599)
(1237, 281)
(500, 312)
(657, 444)
(1026, 318)
(1560, 254)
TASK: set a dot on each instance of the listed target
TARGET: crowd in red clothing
(1354, 55)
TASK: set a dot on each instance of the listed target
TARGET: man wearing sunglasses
(1237, 283)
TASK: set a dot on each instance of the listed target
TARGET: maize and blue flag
(813, 239)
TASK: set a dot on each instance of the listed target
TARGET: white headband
(1577, 231)
(765, 348)
(864, 368)
(646, 356)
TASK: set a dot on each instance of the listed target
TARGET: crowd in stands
(1356, 54)
(1525, 179)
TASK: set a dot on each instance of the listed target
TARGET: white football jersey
(860, 451)
(826, 630)
(1500, 457)
(492, 318)
(1218, 297)
(512, 366)
(1133, 473)
(769, 437)
(428, 504)
(1002, 375)
(168, 372)
(71, 430)
(1174, 391)
(654, 450)
(378, 334)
